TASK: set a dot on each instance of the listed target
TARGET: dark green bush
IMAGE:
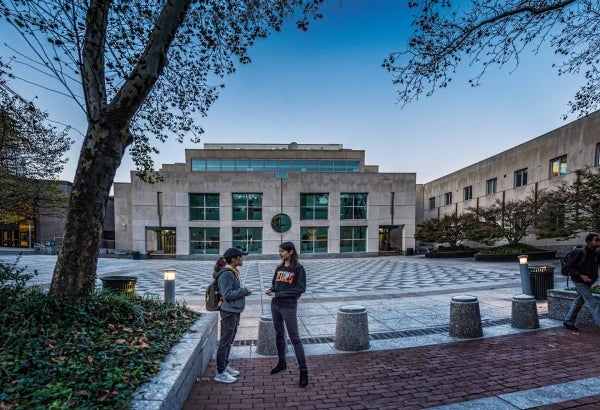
(510, 249)
(90, 355)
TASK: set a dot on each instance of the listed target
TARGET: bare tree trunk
(75, 270)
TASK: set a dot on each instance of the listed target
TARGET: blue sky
(327, 86)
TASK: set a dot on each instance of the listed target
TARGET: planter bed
(451, 254)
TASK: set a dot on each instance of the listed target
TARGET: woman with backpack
(289, 283)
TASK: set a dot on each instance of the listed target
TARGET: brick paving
(413, 378)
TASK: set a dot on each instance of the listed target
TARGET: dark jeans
(290, 318)
(229, 326)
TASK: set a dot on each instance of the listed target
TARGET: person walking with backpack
(289, 283)
(234, 302)
(583, 269)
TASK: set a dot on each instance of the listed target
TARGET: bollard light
(524, 272)
(169, 277)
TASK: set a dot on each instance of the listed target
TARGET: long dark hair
(219, 264)
(289, 246)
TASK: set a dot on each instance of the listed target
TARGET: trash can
(119, 284)
(135, 255)
(541, 279)
(410, 251)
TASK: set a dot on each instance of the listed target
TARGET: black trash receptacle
(541, 279)
(119, 284)
(410, 251)
(135, 255)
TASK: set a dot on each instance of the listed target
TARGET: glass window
(312, 165)
(353, 166)
(247, 207)
(490, 186)
(204, 207)
(314, 206)
(447, 198)
(299, 165)
(468, 192)
(248, 239)
(281, 223)
(198, 165)
(339, 166)
(432, 203)
(257, 165)
(313, 239)
(242, 165)
(353, 238)
(285, 165)
(213, 165)
(228, 165)
(271, 165)
(326, 166)
(558, 166)
(353, 206)
(204, 241)
(521, 177)
(597, 157)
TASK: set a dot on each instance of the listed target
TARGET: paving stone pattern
(417, 378)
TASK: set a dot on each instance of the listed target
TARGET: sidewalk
(546, 369)
(412, 362)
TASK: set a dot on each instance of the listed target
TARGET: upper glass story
(276, 165)
(277, 158)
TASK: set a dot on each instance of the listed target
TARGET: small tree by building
(571, 208)
(451, 229)
(510, 220)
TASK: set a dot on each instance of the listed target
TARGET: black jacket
(588, 266)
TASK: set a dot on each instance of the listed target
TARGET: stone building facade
(322, 197)
(541, 163)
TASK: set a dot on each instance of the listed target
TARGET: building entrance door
(389, 235)
(161, 241)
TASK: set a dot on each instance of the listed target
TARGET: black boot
(303, 378)
(280, 366)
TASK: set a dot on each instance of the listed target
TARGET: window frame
(520, 177)
(206, 245)
(448, 198)
(309, 242)
(204, 212)
(355, 210)
(468, 193)
(491, 186)
(311, 208)
(561, 166)
(357, 242)
(249, 211)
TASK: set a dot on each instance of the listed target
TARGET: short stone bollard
(524, 313)
(465, 319)
(352, 328)
(265, 345)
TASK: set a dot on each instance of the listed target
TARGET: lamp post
(524, 271)
(169, 277)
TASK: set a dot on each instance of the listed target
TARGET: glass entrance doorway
(161, 241)
(390, 238)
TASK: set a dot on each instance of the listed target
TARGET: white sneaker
(224, 378)
(233, 372)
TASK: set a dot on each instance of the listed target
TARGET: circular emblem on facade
(281, 223)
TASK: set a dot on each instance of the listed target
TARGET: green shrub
(90, 355)
(510, 249)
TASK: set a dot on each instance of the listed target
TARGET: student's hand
(270, 293)
(585, 278)
(248, 291)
